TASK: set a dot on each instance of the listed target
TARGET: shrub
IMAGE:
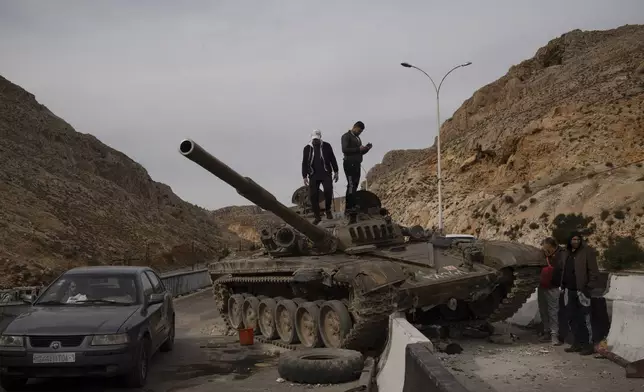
(619, 215)
(534, 225)
(604, 214)
(622, 253)
(564, 225)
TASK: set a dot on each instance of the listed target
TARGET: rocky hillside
(245, 221)
(560, 133)
(67, 199)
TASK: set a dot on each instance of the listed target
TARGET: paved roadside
(529, 366)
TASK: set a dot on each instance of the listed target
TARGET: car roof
(108, 269)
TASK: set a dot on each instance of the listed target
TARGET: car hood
(70, 320)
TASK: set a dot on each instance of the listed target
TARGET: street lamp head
(466, 64)
(406, 65)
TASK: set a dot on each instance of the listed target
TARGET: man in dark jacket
(580, 275)
(318, 164)
(548, 291)
(353, 151)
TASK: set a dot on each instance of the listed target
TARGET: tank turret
(373, 228)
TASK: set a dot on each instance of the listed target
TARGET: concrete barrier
(424, 372)
(408, 362)
(625, 341)
(528, 315)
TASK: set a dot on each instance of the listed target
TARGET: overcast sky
(250, 80)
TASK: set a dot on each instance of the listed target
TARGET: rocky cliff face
(560, 133)
(67, 199)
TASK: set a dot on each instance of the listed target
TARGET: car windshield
(91, 289)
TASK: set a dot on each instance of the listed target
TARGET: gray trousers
(548, 309)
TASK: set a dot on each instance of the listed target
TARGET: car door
(153, 312)
(166, 310)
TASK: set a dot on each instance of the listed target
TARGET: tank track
(372, 312)
(526, 280)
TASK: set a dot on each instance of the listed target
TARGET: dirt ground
(529, 366)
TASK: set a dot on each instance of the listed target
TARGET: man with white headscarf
(319, 166)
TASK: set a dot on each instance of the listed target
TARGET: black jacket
(328, 159)
(351, 147)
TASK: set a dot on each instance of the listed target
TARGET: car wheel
(168, 345)
(139, 374)
(12, 383)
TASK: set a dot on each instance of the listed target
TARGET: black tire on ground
(321, 365)
(168, 345)
(266, 318)
(334, 323)
(235, 311)
(250, 310)
(138, 376)
(285, 321)
(12, 383)
(307, 325)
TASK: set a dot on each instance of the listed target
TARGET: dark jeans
(579, 319)
(314, 193)
(352, 172)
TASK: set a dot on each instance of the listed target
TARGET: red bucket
(246, 336)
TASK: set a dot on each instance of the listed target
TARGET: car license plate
(55, 358)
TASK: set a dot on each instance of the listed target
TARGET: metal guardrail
(182, 283)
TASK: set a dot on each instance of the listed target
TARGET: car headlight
(11, 341)
(109, 340)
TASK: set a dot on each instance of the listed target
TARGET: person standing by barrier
(548, 291)
(353, 151)
(580, 275)
(318, 165)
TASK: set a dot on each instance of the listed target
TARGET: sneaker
(329, 215)
(317, 220)
(544, 338)
(555, 341)
(573, 349)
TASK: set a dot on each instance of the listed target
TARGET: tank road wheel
(307, 325)
(265, 314)
(250, 311)
(235, 311)
(285, 321)
(299, 301)
(334, 323)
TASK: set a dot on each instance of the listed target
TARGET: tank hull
(373, 285)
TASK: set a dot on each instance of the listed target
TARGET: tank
(336, 283)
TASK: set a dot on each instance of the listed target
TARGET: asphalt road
(201, 361)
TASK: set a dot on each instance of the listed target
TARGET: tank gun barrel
(255, 193)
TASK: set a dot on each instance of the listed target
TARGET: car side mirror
(156, 298)
(28, 298)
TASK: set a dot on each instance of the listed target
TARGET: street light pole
(438, 136)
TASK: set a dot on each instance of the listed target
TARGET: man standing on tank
(353, 151)
(579, 277)
(318, 164)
